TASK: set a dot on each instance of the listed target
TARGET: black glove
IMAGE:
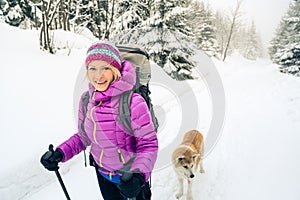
(130, 184)
(51, 158)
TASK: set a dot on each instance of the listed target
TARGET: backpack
(139, 58)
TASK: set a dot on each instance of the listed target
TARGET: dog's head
(186, 165)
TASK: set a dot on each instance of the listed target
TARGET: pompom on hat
(105, 51)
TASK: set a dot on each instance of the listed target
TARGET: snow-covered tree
(63, 17)
(81, 13)
(250, 43)
(131, 14)
(285, 46)
(236, 14)
(98, 12)
(16, 11)
(172, 14)
(200, 18)
(49, 10)
(14, 14)
(96, 15)
(221, 22)
(167, 37)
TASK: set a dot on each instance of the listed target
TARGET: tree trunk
(35, 18)
(68, 17)
(43, 35)
(106, 18)
(229, 38)
(111, 20)
(235, 16)
(47, 19)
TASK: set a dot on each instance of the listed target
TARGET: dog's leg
(180, 189)
(201, 167)
(201, 160)
(189, 190)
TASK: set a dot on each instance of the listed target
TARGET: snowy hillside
(256, 156)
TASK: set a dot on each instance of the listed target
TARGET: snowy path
(257, 156)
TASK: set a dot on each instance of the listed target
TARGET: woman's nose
(99, 73)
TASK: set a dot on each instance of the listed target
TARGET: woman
(124, 160)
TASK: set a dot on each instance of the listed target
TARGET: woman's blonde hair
(116, 72)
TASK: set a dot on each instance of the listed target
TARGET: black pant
(110, 191)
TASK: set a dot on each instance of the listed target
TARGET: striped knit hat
(105, 51)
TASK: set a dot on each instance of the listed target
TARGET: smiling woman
(123, 159)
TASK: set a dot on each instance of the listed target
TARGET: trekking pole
(59, 177)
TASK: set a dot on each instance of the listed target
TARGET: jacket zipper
(93, 120)
(95, 139)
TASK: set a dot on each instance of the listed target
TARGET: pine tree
(14, 14)
(221, 22)
(16, 11)
(96, 15)
(82, 15)
(285, 46)
(251, 47)
(201, 20)
(26, 8)
(4, 7)
(166, 36)
(172, 48)
(130, 15)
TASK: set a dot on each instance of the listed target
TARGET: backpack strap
(124, 111)
(145, 92)
(124, 108)
(85, 102)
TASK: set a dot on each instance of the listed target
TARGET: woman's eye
(105, 68)
(92, 68)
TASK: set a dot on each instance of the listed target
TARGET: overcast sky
(266, 13)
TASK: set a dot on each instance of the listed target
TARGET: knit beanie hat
(105, 51)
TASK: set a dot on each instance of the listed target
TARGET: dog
(186, 159)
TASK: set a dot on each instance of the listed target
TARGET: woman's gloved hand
(51, 158)
(130, 184)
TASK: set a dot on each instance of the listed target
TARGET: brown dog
(186, 160)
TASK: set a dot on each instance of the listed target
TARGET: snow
(255, 157)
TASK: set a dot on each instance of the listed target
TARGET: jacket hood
(116, 88)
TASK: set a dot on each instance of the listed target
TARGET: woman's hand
(51, 158)
(130, 184)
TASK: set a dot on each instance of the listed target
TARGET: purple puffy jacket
(111, 144)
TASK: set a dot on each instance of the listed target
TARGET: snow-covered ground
(256, 157)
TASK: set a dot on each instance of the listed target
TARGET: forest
(170, 30)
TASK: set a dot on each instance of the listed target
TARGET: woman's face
(100, 75)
